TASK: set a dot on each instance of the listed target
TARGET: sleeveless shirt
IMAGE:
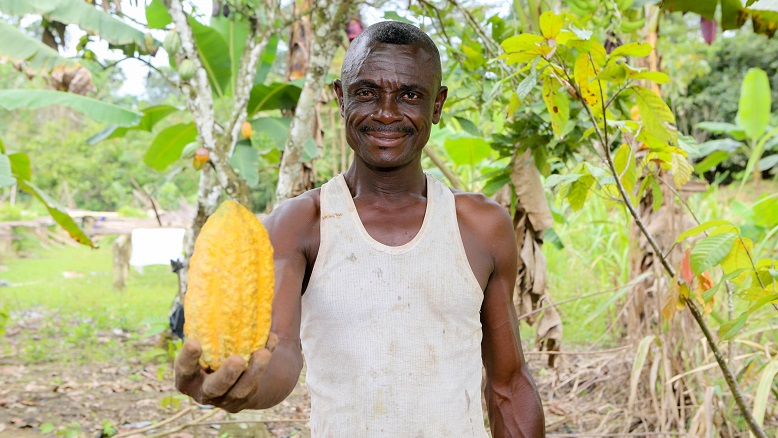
(391, 335)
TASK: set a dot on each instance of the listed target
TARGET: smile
(387, 139)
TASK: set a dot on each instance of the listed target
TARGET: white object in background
(156, 246)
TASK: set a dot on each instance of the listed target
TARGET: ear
(339, 93)
(440, 99)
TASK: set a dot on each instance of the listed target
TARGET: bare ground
(586, 395)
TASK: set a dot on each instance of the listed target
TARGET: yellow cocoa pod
(230, 293)
(246, 129)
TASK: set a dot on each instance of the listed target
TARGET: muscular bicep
(501, 342)
(513, 402)
(289, 227)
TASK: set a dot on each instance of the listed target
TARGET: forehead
(404, 64)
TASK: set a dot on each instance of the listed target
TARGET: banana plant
(733, 15)
(751, 133)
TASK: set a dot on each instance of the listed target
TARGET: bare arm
(272, 372)
(512, 399)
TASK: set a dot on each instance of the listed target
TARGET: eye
(364, 93)
(411, 95)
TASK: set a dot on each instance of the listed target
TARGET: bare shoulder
(486, 229)
(295, 223)
(485, 215)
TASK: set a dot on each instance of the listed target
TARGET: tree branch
(729, 376)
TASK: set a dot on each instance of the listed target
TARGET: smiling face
(390, 97)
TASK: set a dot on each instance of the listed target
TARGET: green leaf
(167, 146)
(706, 8)
(57, 213)
(711, 161)
(729, 329)
(157, 16)
(493, 185)
(527, 85)
(278, 95)
(20, 165)
(272, 129)
(655, 113)
(705, 226)
(763, 389)
(266, 60)
(467, 151)
(710, 251)
(246, 161)
(653, 76)
(624, 161)
(6, 175)
(151, 116)
(234, 30)
(468, 126)
(99, 111)
(768, 163)
(632, 49)
(78, 12)
(557, 104)
(580, 190)
(753, 113)
(733, 15)
(214, 54)
(35, 54)
(556, 179)
(723, 128)
(657, 194)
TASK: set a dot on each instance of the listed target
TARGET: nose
(387, 111)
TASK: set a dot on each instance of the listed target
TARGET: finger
(272, 341)
(187, 364)
(249, 381)
(220, 381)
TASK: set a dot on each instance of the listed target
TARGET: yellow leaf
(551, 24)
(738, 259)
(583, 72)
(521, 43)
(682, 170)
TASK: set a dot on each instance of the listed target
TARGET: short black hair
(392, 32)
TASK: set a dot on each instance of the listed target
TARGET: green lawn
(72, 288)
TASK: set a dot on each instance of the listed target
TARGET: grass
(71, 288)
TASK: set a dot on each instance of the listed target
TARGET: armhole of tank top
(323, 244)
(461, 244)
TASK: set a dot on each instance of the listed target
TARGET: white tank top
(392, 334)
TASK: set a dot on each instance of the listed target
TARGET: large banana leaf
(151, 115)
(6, 175)
(99, 111)
(57, 213)
(35, 54)
(80, 13)
(214, 54)
(763, 13)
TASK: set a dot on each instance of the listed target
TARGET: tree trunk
(219, 175)
(327, 21)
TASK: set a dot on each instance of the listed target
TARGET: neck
(404, 181)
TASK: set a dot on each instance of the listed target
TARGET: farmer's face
(389, 103)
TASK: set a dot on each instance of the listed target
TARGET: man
(397, 287)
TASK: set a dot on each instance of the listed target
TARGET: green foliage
(96, 109)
